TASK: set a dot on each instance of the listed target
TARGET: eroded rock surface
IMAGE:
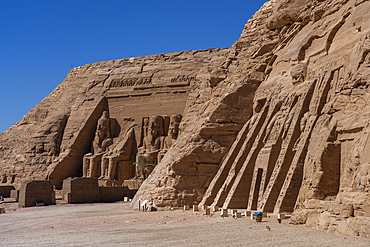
(278, 122)
(50, 142)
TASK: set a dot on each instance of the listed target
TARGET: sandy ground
(115, 224)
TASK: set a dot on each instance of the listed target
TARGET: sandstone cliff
(303, 149)
(278, 122)
(50, 141)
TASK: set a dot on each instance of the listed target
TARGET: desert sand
(116, 224)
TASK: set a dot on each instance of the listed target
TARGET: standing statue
(101, 141)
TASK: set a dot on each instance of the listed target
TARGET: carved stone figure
(155, 143)
(121, 153)
(151, 141)
(101, 141)
(145, 126)
(173, 131)
(102, 135)
(299, 73)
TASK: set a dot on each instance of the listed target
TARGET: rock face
(278, 122)
(69, 126)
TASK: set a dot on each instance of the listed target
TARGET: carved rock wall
(304, 148)
(51, 140)
(278, 122)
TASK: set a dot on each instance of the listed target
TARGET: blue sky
(41, 40)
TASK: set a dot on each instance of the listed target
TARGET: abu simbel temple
(278, 122)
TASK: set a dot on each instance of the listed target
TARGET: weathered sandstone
(278, 122)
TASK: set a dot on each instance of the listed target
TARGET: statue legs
(90, 165)
(103, 168)
(93, 167)
(108, 167)
(112, 168)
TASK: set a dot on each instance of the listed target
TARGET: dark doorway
(257, 189)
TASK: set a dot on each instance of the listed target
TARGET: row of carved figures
(110, 160)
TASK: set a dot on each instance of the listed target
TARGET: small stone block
(186, 207)
(247, 213)
(68, 197)
(195, 208)
(208, 211)
(238, 214)
(144, 205)
(264, 214)
(125, 199)
(281, 216)
(14, 194)
(215, 208)
(224, 212)
(2, 210)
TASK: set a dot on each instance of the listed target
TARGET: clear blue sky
(40, 40)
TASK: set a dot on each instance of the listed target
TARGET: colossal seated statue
(156, 142)
(173, 131)
(158, 134)
(117, 164)
(101, 141)
(151, 145)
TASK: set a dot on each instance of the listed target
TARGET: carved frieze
(130, 82)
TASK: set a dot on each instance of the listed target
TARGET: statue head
(154, 126)
(299, 73)
(175, 118)
(173, 130)
(105, 114)
(146, 121)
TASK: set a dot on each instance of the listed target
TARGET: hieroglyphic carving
(145, 81)
(130, 82)
(120, 83)
(183, 78)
